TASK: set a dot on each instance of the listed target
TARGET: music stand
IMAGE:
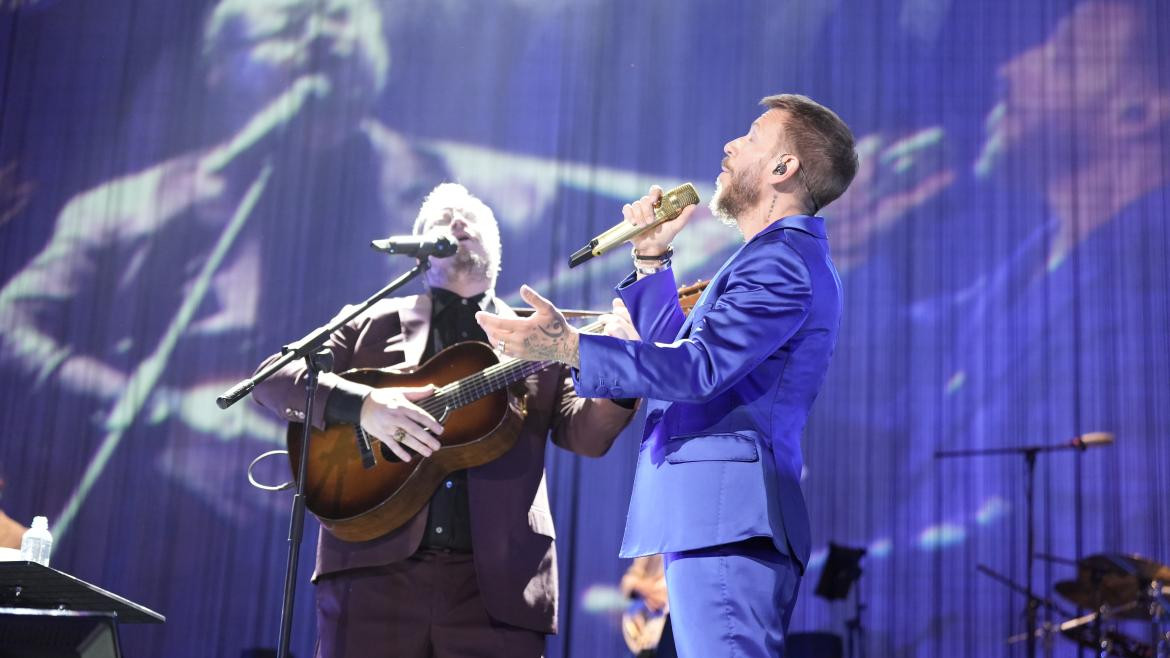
(29, 633)
(45, 612)
(842, 569)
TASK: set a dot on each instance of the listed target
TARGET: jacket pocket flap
(711, 447)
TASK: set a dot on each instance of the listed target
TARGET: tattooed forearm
(562, 346)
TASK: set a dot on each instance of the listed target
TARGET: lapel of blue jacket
(814, 226)
(715, 282)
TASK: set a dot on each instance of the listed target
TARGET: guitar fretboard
(485, 382)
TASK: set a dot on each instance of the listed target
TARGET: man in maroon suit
(474, 572)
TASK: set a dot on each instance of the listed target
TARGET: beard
(469, 264)
(742, 192)
(464, 265)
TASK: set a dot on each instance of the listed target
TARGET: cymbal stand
(1034, 600)
(1105, 644)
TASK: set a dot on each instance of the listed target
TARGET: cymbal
(1143, 569)
(1116, 582)
(1119, 595)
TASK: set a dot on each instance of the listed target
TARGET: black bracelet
(661, 258)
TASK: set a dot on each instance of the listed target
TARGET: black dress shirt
(452, 321)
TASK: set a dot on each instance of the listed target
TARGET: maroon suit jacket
(511, 525)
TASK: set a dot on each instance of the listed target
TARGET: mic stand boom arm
(309, 345)
(318, 360)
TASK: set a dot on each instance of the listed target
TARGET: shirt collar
(807, 224)
(814, 226)
(441, 298)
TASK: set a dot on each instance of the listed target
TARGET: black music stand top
(842, 568)
(25, 584)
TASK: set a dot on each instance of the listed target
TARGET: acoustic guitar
(481, 418)
(643, 626)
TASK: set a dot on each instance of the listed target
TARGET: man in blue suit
(729, 387)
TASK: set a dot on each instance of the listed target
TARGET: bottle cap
(41, 523)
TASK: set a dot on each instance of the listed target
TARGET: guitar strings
(471, 388)
(496, 376)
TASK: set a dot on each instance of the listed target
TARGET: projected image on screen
(185, 187)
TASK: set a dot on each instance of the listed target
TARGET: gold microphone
(668, 207)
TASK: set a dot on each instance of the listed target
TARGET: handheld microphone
(437, 245)
(669, 206)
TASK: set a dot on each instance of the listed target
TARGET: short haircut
(822, 142)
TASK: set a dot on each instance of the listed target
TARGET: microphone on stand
(435, 245)
(669, 206)
(1091, 439)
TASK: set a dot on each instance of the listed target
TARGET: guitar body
(358, 504)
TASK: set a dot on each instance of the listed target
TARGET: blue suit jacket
(729, 388)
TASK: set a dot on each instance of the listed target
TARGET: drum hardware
(1089, 631)
(1047, 629)
(1118, 587)
(1160, 614)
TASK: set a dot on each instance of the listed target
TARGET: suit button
(616, 391)
(603, 390)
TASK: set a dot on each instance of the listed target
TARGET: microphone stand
(1029, 453)
(318, 360)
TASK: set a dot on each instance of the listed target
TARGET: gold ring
(400, 435)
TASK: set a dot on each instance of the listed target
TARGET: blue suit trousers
(733, 600)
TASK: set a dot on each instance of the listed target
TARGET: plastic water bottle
(37, 543)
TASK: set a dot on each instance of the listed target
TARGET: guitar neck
(487, 381)
(483, 383)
